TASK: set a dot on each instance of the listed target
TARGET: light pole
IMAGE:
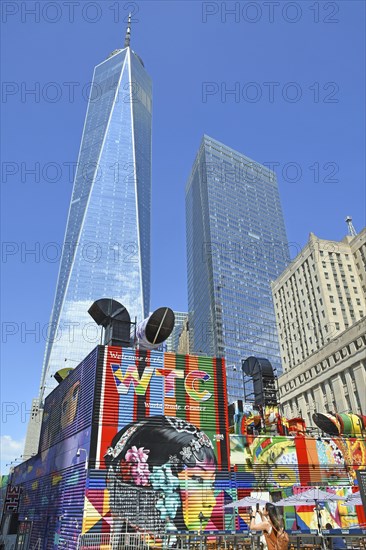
(78, 453)
(234, 368)
(202, 518)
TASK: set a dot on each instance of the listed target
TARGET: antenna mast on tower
(128, 32)
(351, 229)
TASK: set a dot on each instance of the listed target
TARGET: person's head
(170, 465)
(271, 511)
(328, 526)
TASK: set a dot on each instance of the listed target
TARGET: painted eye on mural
(75, 393)
(197, 479)
(64, 406)
(287, 477)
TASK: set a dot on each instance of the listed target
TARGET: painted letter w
(124, 378)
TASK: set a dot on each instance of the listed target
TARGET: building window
(334, 311)
(337, 326)
(326, 274)
(331, 298)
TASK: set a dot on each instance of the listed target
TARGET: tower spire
(128, 32)
(351, 230)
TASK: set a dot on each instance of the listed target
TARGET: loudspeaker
(264, 384)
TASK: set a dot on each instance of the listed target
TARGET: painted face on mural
(173, 466)
(197, 486)
(69, 405)
(274, 461)
(331, 461)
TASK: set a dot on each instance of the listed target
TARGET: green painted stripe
(180, 395)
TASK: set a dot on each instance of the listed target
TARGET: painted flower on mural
(167, 484)
(135, 467)
(137, 454)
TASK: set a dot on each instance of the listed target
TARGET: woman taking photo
(272, 527)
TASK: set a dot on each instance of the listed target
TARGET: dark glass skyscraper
(236, 244)
(106, 250)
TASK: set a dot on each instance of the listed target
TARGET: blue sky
(297, 68)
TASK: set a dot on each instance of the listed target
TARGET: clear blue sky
(314, 50)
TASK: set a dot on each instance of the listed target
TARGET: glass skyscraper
(236, 245)
(173, 340)
(106, 249)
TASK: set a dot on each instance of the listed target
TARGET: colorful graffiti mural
(283, 465)
(143, 384)
(139, 441)
(164, 449)
(53, 482)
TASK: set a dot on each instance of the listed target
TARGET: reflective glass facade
(107, 241)
(173, 340)
(236, 245)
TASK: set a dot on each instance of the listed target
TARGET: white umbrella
(318, 495)
(354, 500)
(293, 500)
(246, 501)
(312, 495)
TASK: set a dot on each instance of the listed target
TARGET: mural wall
(140, 441)
(162, 439)
(53, 482)
(281, 465)
(69, 408)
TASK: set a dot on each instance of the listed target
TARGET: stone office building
(320, 314)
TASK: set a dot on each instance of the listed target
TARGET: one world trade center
(106, 250)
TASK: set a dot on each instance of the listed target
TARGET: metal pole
(201, 518)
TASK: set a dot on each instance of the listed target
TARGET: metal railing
(184, 541)
(118, 541)
(208, 540)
